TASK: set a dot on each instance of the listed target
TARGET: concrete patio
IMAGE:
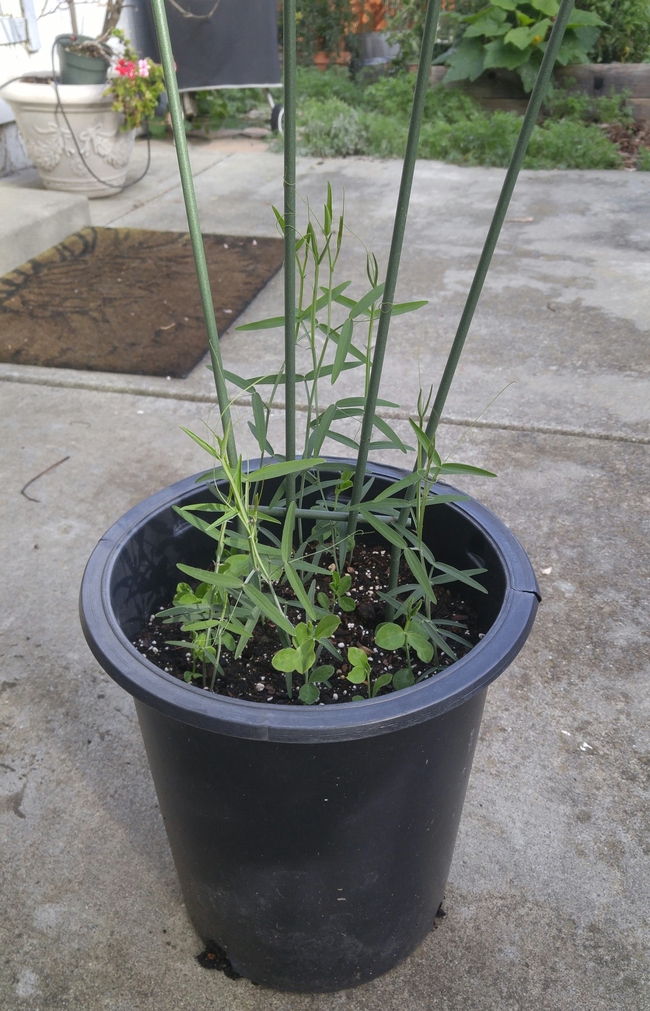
(548, 897)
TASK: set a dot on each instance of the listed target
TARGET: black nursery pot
(312, 843)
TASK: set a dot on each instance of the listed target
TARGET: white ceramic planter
(105, 148)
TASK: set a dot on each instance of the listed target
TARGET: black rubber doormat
(127, 300)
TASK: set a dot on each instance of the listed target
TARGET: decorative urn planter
(50, 125)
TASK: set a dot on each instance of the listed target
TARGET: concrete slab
(560, 338)
(33, 220)
(548, 897)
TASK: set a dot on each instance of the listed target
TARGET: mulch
(127, 300)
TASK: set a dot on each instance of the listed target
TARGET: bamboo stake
(399, 227)
(191, 209)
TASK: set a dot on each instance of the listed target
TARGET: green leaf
(347, 604)
(498, 54)
(285, 660)
(403, 679)
(400, 308)
(357, 676)
(388, 635)
(387, 532)
(323, 599)
(528, 36)
(358, 658)
(465, 468)
(268, 608)
(506, 5)
(390, 434)
(201, 442)
(358, 698)
(397, 486)
(420, 573)
(327, 626)
(321, 429)
(381, 682)
(343, 346)
(306, 656)
(421, 645)
(274, 470)
(467, 62)
(321, 674)
(263, 324)
(548, 7)
(461, 576)
(308, 694)
(489, 24)
(299, 590)
(368, 299)
(219, 579)
(579, 18)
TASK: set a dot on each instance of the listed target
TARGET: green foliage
(643, 160)
(322, 85)
(321, 26)
(564, 103)
(566, 144)
(330, 129)
(512, 34)
(625, 37)
(261, 548)
(374, 121)
(134, 84)
(405, 26)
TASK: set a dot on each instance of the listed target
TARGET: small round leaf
(403, 679)
(357, 676)
(309, 694)
(389, 635)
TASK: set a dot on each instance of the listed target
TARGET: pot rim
(73, 96)
(306, 724)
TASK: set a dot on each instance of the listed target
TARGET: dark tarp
(236, 47)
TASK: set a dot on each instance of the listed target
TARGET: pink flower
(125, 68)
(143, 68)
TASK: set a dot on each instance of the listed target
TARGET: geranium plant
(135, 84)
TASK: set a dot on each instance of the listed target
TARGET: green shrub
(568, 145)
(323, 84)
(626, 35)
(563, 103)
(331, 129)
(483, 140)
(643, 160)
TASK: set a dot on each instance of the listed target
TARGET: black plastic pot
(312, 843)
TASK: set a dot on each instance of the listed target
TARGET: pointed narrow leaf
(458, 574)
(268, 608)
(275, 470)
(345, 339)
(402, 307)
(201, 442)
(299, 590)
(465, 468)
(420, 573)
(368, 299)
(263, 324)
(213, 578)
(389, 533)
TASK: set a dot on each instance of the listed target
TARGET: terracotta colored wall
(371, 15)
